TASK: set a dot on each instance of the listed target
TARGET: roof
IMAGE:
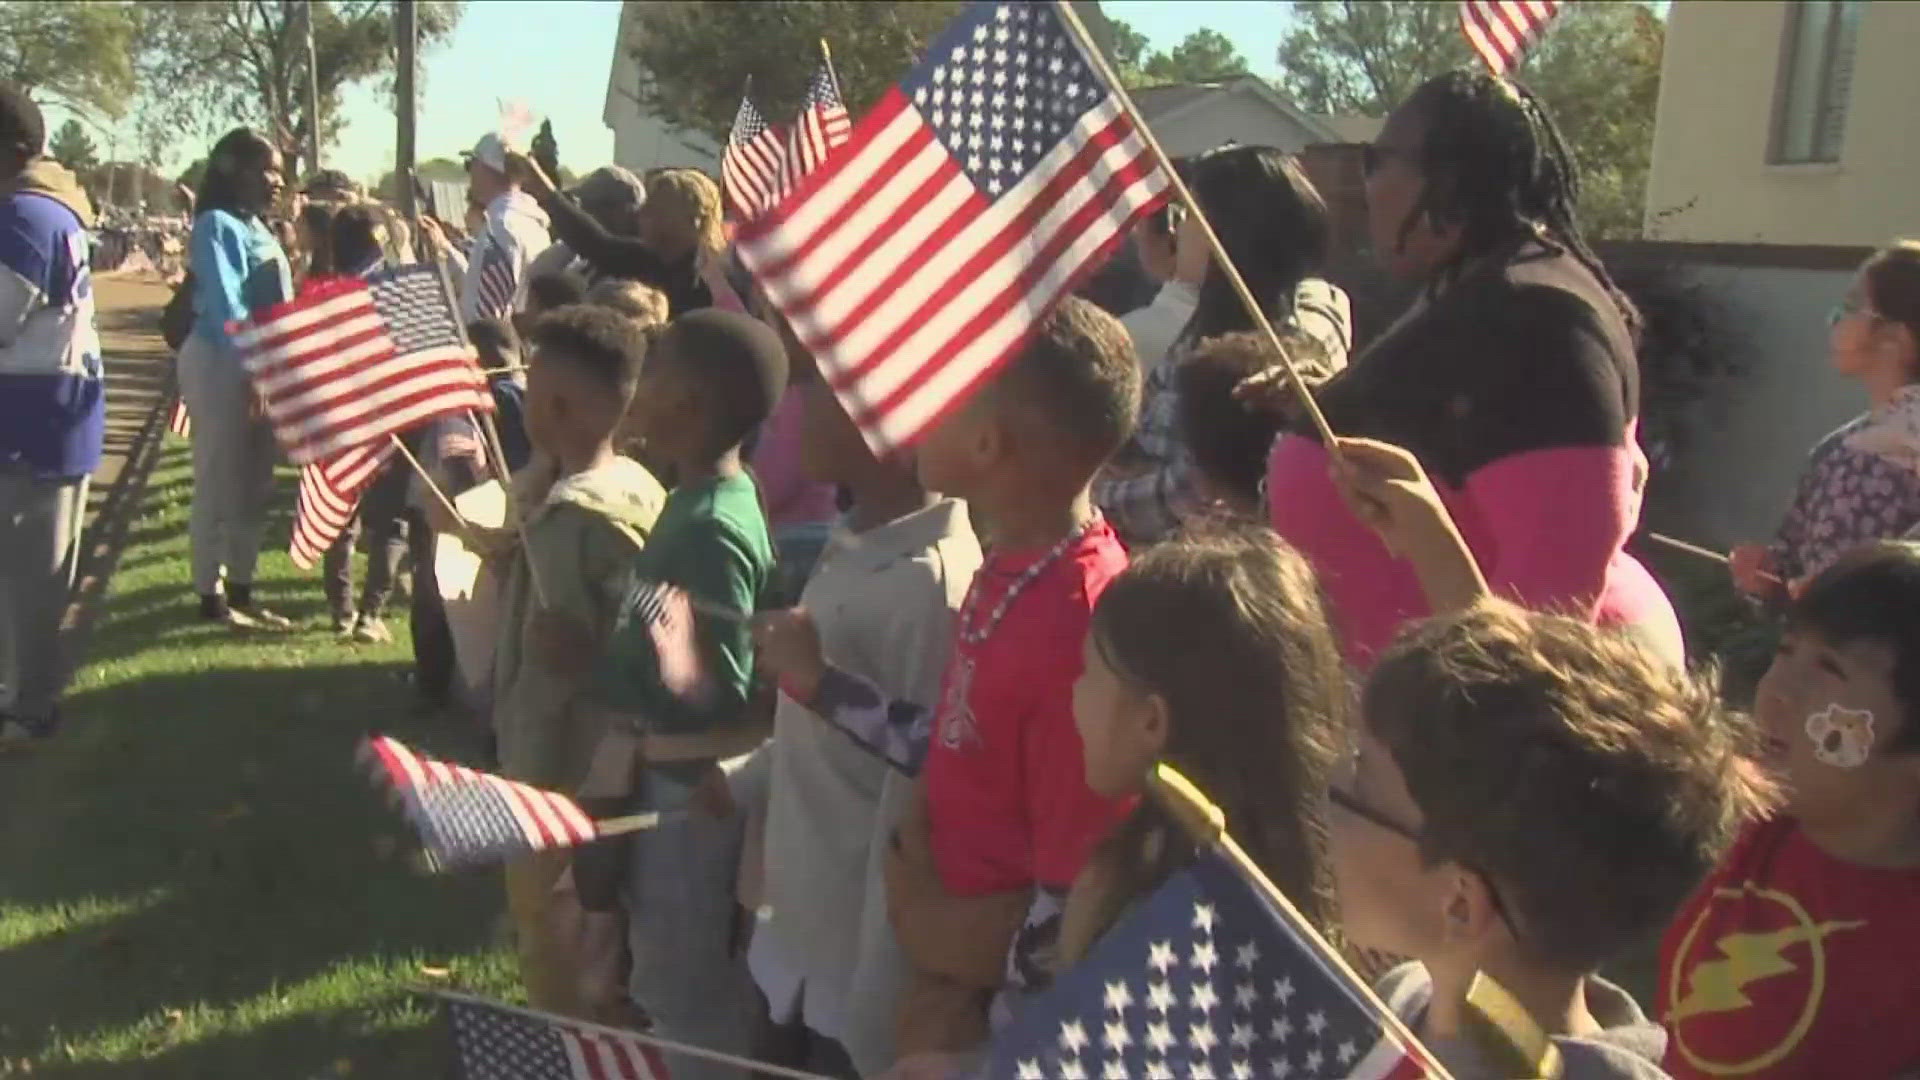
(1159, 104)
(1353, 127)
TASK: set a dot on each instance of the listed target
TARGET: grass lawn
(197, 880)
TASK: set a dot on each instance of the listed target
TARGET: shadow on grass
(219, 812)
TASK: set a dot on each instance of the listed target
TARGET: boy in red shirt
(978, 871)
(1798, 957)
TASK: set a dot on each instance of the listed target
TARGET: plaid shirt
(1146, 506)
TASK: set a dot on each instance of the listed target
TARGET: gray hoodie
(1629, 1047)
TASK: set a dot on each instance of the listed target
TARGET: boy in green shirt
(712, 377)
(587, 511)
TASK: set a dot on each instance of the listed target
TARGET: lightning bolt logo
(1744, 958)
(1720, 985)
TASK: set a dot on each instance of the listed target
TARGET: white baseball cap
(490, 151)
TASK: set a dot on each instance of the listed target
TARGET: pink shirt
(792, 497)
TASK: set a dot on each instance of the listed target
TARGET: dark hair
(496, 342)
(1590, 783)
(1872, 593)
(1274, 226)
(556, 289)
(219, 185)
(1892, 276)
(637, 300)
(1229, 440)
(21, 125)
(736, 362)
(597, 341)
(1228, 626)
(356, 237)
(317, 219)
(1080, 373)
(1496, 165)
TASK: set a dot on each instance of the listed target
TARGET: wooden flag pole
(445, 503)
(1700, 552)
(1220, 258)
(754, 1068)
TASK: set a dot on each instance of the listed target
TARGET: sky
(555, 55)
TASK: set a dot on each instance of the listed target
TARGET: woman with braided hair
(1512, 377)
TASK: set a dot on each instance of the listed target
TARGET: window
(1816, 80)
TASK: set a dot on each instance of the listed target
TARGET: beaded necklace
(971, 636)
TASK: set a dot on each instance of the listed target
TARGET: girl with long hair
(238, 269)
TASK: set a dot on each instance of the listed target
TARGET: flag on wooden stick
(978, 191)
(822, 127)
(352, 361)
(1502, 31)
(497, 1042)
(752, 163)
(177, 420)
(329, 495)
(466, 817)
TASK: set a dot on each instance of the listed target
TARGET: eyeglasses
(1346, 800)
(1849, 306)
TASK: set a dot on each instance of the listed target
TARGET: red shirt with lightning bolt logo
(1789, 963)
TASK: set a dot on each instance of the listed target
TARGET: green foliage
(77, 55)
(73, 147)
(545, 150)
(1202, 56)
(696, 57)
(214, 63)
(1598, 70)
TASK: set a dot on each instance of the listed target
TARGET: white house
(642, 141)
(1189, 118)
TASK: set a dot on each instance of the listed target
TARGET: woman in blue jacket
(238, 270)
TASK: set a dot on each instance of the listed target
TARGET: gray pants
(40, 523)
(689, 957)
(233, 456)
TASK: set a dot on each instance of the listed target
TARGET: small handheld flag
(752, 163)
(498, 1042)
(979, 190)
(1502, 31)
(466, 817)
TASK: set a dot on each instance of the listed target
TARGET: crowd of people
(1441, 706)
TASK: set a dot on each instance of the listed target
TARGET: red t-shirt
(1007, 799)
(1790, 963)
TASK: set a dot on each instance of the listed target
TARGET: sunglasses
(1349, 802)
(1848, 307)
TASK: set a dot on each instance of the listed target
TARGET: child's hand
(1386, 488)
(787, 644)
(565, 646)
(1752, 569)
(489, 543)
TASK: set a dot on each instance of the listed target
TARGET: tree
(72, 147)
(1202, 56)
(545, 150)
(75, 55)
(219, 62)
(1597, 69)
(695, 57)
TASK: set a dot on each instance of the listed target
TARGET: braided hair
(1497, 167)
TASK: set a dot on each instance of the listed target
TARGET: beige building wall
(1715, 122)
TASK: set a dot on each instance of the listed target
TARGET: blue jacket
(52, 399)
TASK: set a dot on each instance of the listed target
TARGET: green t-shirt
(710, 540)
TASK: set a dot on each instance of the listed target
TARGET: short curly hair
(1592, 783)
(1228, 439)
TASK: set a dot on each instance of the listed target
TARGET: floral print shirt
(1847, 496)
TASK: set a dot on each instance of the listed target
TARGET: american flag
(177, 420)
(497, 1042)
(353, 361)
(823, 125)
(667, 611)
(1502, 31)
(974, 195)
(752, 164)
(466, 817)
(499, 282)
(1208, 977)
(329, 493)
